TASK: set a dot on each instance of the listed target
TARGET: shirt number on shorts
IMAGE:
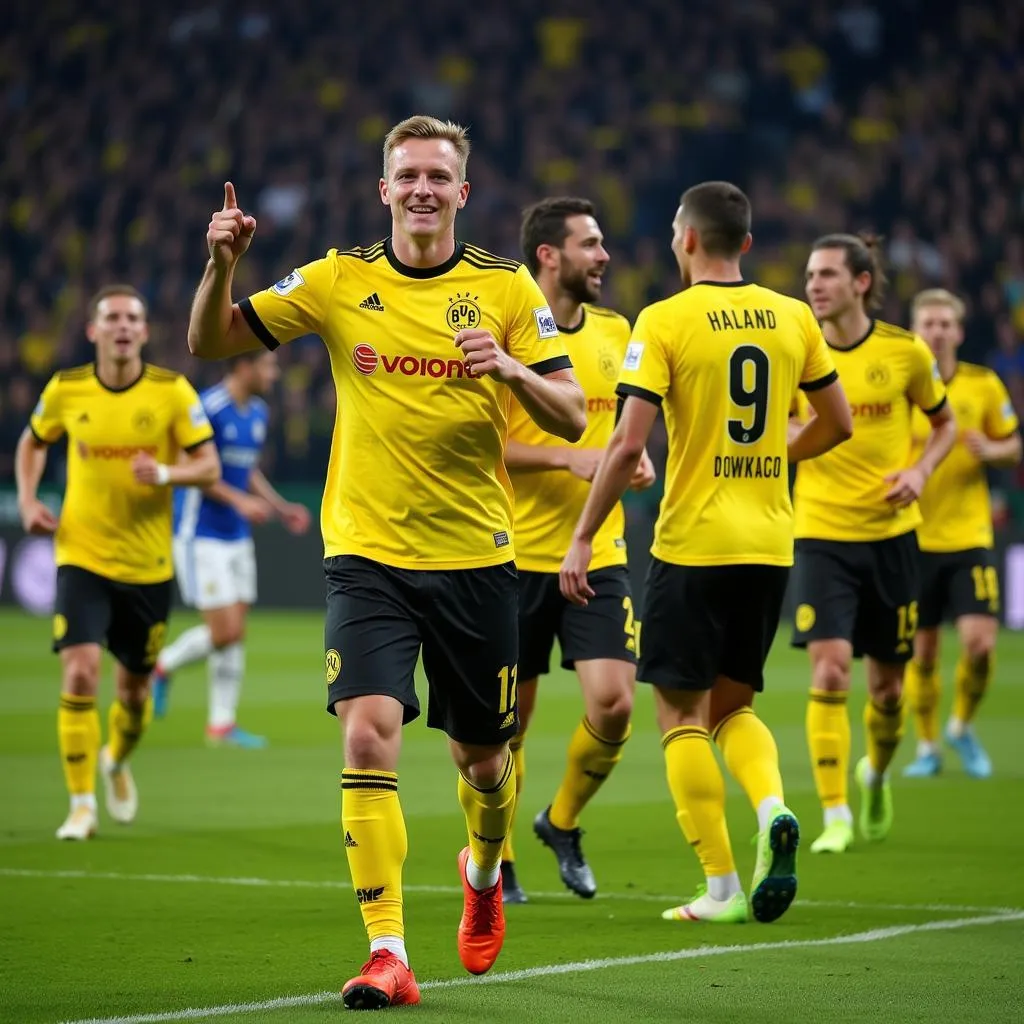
(155, 642)
(749, 372)
(507, 692)
(631, 627)
(986, 585)
(907, 627)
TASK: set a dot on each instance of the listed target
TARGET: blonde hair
(938, 297)
(423, 126)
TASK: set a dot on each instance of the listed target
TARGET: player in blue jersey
(214, 555)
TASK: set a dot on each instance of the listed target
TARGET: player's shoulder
(484, 260)
(976, 373)
(215, 399)
(364, 253)
(160, 375)
(75, 373)
(260, 406)
(610, 316)
(892, 332)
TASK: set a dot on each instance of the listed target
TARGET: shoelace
(576, 851)
(483, 913)
(376, 956)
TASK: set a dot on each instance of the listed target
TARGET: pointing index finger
(230, 202)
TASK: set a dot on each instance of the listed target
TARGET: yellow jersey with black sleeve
(548, 503)
(955, 505)
(416, 477)
(109, 523)
(841, 495)
(725, 361)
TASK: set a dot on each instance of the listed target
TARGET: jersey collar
(121, 390)
(721, 284)
(423, 272)
(857, 344)
(578, 327)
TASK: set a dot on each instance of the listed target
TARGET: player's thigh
(753, 596)
(371, 634)
(934, 596)
(606, 628)
(684, 627)
(471, 653)
(887, 615)
(973, 584)
(826, 582)
(243, 570)
(83, 608)
(138, 624)
(541, 607)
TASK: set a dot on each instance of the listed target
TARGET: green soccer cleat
(703, 908)
(875, 818)
(774, 884)
(837, 838)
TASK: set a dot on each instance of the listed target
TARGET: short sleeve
(819, 367)
(925, 388)
(531, 334)
(645, 372)
(47, 420)
(1000, 416)
(295, 306)
(190, 425)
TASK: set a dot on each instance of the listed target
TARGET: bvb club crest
(143, 421)
(608, 365)
(878, 375)
(332, 665)
(463, 312)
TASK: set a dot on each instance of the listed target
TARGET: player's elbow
(199, 345)
(843, 428)
(576, 426)
(209, 470)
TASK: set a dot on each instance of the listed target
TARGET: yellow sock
(884, 727)
(750, 755)
(517, 750)
(489, 815)
(78, 733)
(125, 726)
(698, 791)
(828, 738)
(591, 760)
(922, 688)
(972, 681)
(376, 845)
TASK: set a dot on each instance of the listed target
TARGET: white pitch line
(452, 890)
(575, 967)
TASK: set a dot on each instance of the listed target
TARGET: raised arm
(216, 328)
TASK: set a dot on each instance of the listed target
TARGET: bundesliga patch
(290, 283)
(501, 539)
(634, 353)
(935, 371)
(197, 414)
(38, 410)
(546, 326)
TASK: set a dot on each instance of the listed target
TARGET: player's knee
(81, 672)
(369, 743)
(832, 674)
(978, 647)
(610, 711)
(482, 766)
(226, 633)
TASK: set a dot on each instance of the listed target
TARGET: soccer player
(126, 423)
(725, 357)
(429, 340)
(958, 572)
(214, 555)
(857, 578)
(563, 247)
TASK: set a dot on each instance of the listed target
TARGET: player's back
(239, 432)
(727, 360)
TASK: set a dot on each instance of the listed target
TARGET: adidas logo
(349, 841)
(508, 721)
(84, 418)
(372, 302)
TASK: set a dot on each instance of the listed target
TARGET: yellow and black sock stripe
(604, 739)
(731, 717)
(369, 778)
(506, 774)
(683, 732)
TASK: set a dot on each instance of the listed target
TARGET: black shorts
(465, 620)
(865, 592)
(130, 619)
(705, 621)
(606, 628)
(955, 583)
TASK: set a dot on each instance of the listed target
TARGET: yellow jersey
(549, 502)
(109, 523)
(416, 477)
(955, 506)
(727, 360)
(841, 495)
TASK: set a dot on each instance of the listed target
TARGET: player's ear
(747, 243)
(690, 240)
(90, 331)
(383, 187)
(463, 194)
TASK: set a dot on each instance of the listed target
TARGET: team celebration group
(491, 415)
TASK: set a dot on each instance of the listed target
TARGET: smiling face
(832, 288)
(118, 329)
(582, 259)
(424, 188)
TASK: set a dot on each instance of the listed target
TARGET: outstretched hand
(230, 231)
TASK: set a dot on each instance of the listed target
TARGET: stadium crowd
(121, 124)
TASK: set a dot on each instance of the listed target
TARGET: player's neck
(848, 329)
(947, 366)
(423, 253)
(118, 376)
(238, 393)
(566, 310)
(709, 270)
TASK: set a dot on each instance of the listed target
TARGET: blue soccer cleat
(233, 736)
(976, 762)
(924, 766)
(161, 690)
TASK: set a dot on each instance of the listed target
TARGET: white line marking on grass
(453, 890)
(574, 967)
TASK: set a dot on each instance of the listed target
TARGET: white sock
(227, 667)
(393, 944)
(955, 728)
(840, 813)
(765, 811)
(722, 887)
(193, 645)
(925, 748)
(480, 878)
(84, 800)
